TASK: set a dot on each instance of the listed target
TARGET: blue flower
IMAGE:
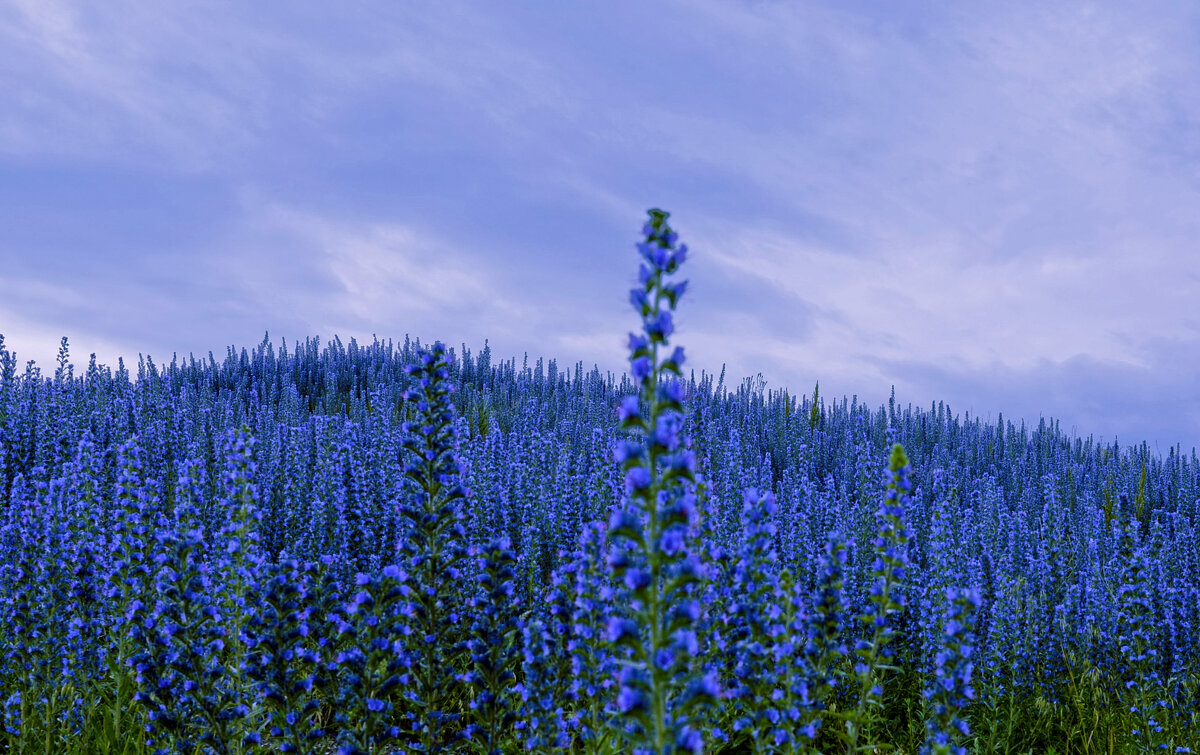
(629, 409)
(631, 700)
(672, 542)
(659, 327)
(621, 629)
(636, 480)
(641, 368)
(637, 580)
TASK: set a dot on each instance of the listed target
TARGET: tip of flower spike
(657, 217)
(898, 460)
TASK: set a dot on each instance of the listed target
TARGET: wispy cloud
(36, 338)
(995, 203)
(374, 272)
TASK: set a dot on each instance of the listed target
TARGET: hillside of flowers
(407, 548)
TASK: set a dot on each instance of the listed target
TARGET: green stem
(660, 701)
(427, 672)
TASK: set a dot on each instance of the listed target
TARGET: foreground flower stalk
(434, 552)
(889, 573)
(648, 531)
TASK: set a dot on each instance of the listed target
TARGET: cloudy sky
(992, 204)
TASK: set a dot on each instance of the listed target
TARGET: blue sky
(992, 204)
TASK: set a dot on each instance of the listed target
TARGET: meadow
(407, 548)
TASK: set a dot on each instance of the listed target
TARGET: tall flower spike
(649, 529)
(494, 656)
(950, 689)
(285, 673)
(435, 550)
(889, 572)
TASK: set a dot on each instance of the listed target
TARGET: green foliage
(814, 414)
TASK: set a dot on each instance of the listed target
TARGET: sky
(993, 204)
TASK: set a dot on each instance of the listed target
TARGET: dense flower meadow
(376, 549)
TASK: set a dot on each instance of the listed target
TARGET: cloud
(999, 197)
(98, 90)
(204, 85)
(379, 272)
(934, 299)
(37, 339)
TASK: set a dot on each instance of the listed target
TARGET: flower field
(408, 548)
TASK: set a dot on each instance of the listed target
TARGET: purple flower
(656, 255)
(626, 450)
(629, 408)
(637, 479)
(686, 503)
(686, 639)
(691, 610)
(624, 519)
(620, 629)
(704, 687)
(641, 368)
(393, 572)
(689, 740)
(681, 461)
(680, 255)
(666, 432)
(664, 658)
(631, 699)
(637, 579)
(677, 359)
(671, 541)
(660, 327)
(619, 560)
(639, 300)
